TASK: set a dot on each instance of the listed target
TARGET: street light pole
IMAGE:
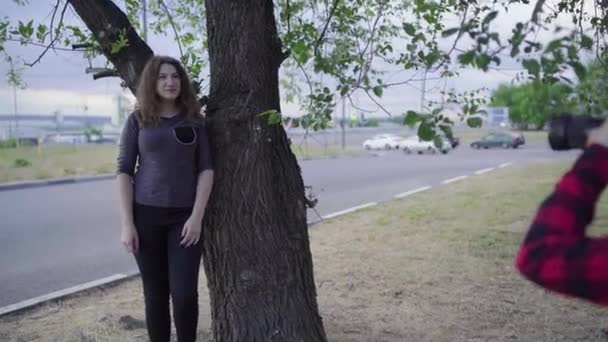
(343, 124)
(145, 20)
(16, 117)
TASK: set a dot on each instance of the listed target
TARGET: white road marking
(482, 171)
(452, 180)
(349, 210)
(411, 192)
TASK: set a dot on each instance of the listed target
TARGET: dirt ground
(437, 266)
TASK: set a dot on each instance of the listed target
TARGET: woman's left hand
(191, 232)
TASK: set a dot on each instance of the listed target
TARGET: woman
(163, 203)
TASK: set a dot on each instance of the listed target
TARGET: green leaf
(483, 61)
(579, 69)
(344, 90)
(274, 117)
(474, 122)
(438, 141)
(572, 52)
(411, 118)
(300, 51)
(586, 42)
(378, 90)
(532, 66)
(41, 32)
(450, 32)
(426, 131)
(409, 29)
(491, 16)
(26, 30)
(554, 45)
(467, 57)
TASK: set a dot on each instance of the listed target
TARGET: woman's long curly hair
(148, 101)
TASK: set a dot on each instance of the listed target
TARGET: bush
(372, 123)
(20, 162)
(10, 143)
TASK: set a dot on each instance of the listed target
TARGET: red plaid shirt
(556, 254)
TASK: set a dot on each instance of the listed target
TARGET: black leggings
(168, 269)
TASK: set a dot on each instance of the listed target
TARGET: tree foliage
(532, 103)
(592, 91)
(342, 48)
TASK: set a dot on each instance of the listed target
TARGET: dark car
(454, 141)
(499, 139)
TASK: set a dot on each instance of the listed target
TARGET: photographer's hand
(598, 135)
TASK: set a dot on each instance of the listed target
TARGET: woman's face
(168, 82)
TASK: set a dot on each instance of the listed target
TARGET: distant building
(32, 125)
(498, 117)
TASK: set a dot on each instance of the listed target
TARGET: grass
(25, 163)
(436, 266)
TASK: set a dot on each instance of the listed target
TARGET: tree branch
(322, 35)
(537, 9)
(106, 21)
(179, 45)
(65, 7)
(365, 65)
(460, 32)
(53, 18)
(288, 9)
(386, 85)
(36, 44)
(580, 18)
(352, 104)
(105, 73)
(377, 103)
(308, 81)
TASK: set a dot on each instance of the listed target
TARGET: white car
(416, 145)
(383, 142)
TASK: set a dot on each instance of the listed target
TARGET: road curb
(53, 181)
(31, 303)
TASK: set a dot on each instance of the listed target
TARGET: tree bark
(257, 255)
(256, 247)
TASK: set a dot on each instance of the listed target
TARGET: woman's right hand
(129, 238)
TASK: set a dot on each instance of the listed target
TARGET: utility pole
(14, 81)
(423, 91)
(343, 123)
(16, 117)
(145, 20)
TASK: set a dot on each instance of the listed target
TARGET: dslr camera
(568, 131)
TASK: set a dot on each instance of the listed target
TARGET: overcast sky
(59, 82)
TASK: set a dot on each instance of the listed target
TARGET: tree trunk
(257, 255)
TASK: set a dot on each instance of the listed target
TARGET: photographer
(556, 254)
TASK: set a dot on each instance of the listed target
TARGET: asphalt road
(56, 237)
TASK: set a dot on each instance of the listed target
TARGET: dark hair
(148, 101)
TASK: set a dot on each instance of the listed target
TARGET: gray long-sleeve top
(164, 160)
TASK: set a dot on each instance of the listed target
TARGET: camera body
(568, 131)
